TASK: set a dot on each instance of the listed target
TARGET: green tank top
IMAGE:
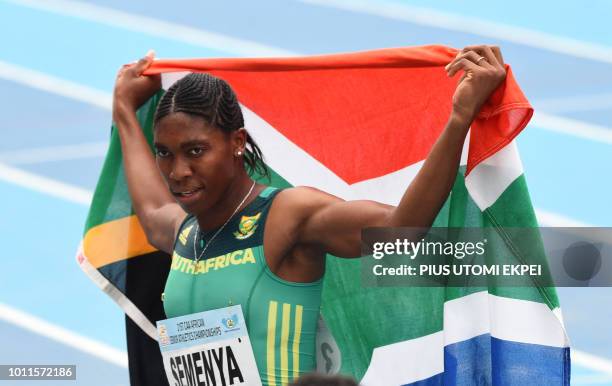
(281, 316)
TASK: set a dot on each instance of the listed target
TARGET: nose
(180, 169)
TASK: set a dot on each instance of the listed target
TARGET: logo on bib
(247, 226)
(163, 335)
(184, 234)
(230, 323)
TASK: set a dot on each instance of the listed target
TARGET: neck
(230, 199)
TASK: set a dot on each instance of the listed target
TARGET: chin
(189, 208)
(196, 208)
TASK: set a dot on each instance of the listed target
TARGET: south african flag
(359, 126)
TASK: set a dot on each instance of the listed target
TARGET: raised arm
(483, 71)
(335, 225)
(158, 212)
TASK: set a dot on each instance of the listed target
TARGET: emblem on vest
(247, 226)
(184, 234)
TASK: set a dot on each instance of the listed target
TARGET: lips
(188, 197)
(186, 192)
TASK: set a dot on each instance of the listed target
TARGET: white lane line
(591, 361)
(164, 29)
(573, 127)
(83, 196)
(590, 380)
(59, 334)
(404, 12)
(549, 219)
(577, 103)
(101, 99)
(494, 30)
(154, 27)
(45, 185)
(55, 85)
(76, 91)
(54, 153)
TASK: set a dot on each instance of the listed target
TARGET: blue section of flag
(484, 359)
(517, 363)
(469, 362)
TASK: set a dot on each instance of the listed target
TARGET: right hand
(483, 71)
(132, 89)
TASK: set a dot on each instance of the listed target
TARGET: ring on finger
(481, 58)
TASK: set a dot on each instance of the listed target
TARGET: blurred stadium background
(58, 61)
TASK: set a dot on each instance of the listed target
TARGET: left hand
(132, 89)
(483, 71)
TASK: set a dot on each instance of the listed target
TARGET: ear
(239, 140)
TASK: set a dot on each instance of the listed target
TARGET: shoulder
(295, 207)
(292, 212)
(303, 200)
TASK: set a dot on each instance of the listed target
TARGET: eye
(195, 151)
(162, 153)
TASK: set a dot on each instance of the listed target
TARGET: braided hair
(214, 100)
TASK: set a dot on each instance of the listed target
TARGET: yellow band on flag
(115, 241)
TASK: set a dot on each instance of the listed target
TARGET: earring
(238, 153)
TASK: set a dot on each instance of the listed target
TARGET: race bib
(208, 348)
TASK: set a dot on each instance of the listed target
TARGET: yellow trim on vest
(296, 340)
(284, 354)
(271, 365)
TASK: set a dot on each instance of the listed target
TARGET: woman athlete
(235, 241)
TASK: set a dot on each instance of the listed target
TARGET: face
(197, 160)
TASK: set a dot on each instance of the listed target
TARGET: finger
(143, 63)
(463, 64)
(122, 69)
(484, 51)
(473, 57)
(491, 57)
(497, 52)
